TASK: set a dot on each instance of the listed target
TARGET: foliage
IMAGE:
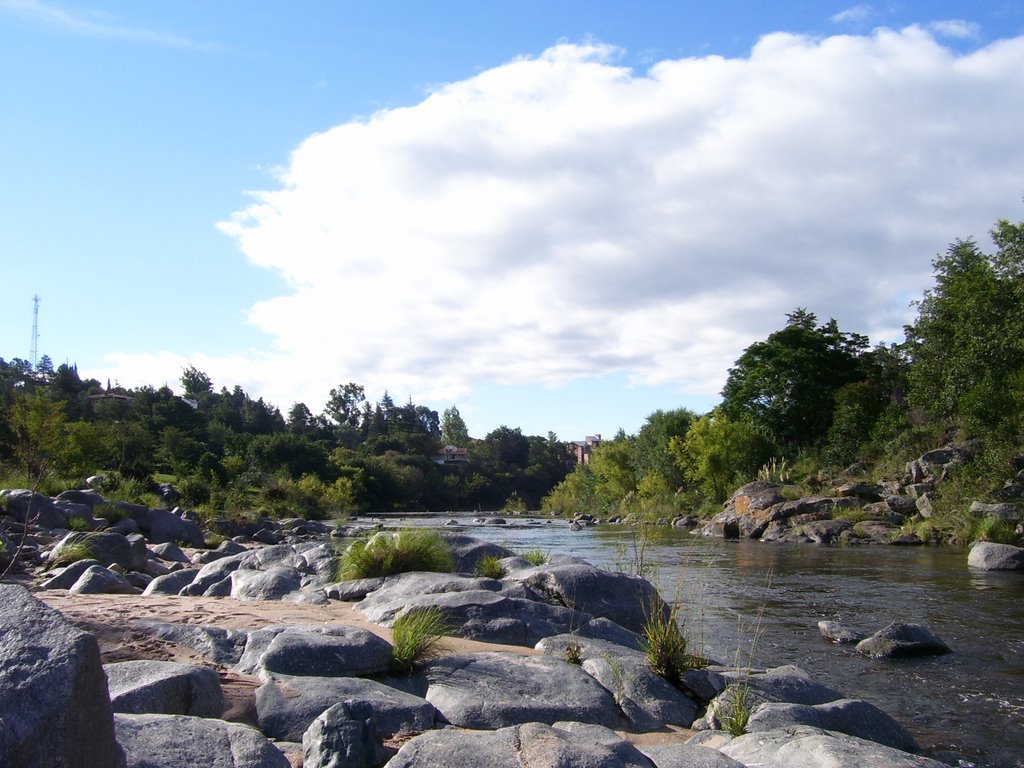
(573, 653)
(664, 644)
(385, 554)
(994, 530)
(490, 567)
(76, 547)
(774, 471)
(535, 556)
(738, 709)
(417, 636)
(786, 385)
(720, 452)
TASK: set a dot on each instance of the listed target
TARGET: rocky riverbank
(253, 655)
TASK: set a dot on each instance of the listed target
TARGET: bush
(490, 567)
(385, 554)
(416, 636)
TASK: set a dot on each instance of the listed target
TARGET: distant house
(583, 448)
(451, 456)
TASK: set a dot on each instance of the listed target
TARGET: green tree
(453, 428)
(719, 453)
(343, 407)
(786, 385)
(195, 383)
(612, 466)
(967, 343)
(655, 466)
(40, 434)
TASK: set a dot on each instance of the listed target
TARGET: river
(965, 708)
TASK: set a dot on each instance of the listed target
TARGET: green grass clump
(535, 556)
(994, 530)
(490, 567)
(109, 512)
(75, 549)
(79, 524)
(417, 636)
(737, 714)
(385, 554)
(664, 645)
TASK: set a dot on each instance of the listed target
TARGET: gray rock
(164, 688)
(825, 531)
(324, 651)
(624, 599)
(807, 747)
(33, 508)
(467, 551)
(104, 547)
(878, 531)
(170, 551)
(65, 578)
(172, 583)
(353, 591)
(493, 690)
(902, 639)
(687, 756)
(850, 716)
(73, 510)
(788, 684)
(337, 739)
(54, 708)
(839, 633)
(272, 584)
(97, 580)
(221, 646)
(996, 557)
(286, 706)
(649, 701)
(177, 741)
(1007, 511)
(532, 744)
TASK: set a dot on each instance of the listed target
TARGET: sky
(553, 215)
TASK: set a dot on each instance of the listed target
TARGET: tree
(967, 344)
(195, 383)
(612, 465)
(719, 453)
(654, 464)
(786, 384)
(40, 434)
(453, 428)
(343, 405)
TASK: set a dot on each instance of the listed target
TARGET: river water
(965, 708)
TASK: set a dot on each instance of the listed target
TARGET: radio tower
(34, 355)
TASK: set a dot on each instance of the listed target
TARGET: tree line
(226, 451)
(812, 399)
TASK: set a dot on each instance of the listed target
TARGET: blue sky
(555, 215)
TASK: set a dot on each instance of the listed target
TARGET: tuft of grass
(738, 713)
(664, 645)
(994, 530)
(417, 636)
(385, 554)
(574, 653)
(78, 548)
(490, 567)
(78, 524)
(109, 512)
(535, 556)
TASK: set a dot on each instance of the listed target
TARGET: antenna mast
(34, 355)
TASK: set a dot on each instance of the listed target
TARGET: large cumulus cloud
(562, 216)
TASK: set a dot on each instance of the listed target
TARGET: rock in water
(54, 707)
(837, 633)
(900, 639)
(996, 557)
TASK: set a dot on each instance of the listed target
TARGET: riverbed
(744, 601)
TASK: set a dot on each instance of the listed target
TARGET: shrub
(385, 554)
(490, 567)
(78, 524)
(664, 645)
(535, 556)
(416, 636)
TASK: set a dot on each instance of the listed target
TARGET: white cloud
(956, 28)
(857, 14)
(561, 216)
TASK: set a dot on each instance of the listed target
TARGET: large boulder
(494, 690)
(808, 747)
(1006, 511)
(221, 646)
(161, 526)
(903, 639)
(33, 508)
(171, 583)
(315, 651)
(988, 556)
(338, 738)
(164, 688)
(105, 547)
(177, 741)
(286, 706)
(675, 755)
(54, 707)
(97, 580)
(850, 716)
(468, 550)
(531, 744)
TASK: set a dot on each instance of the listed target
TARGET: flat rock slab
(988, 556)
(850, 716)
(494, 690)
(532, 744)
(54, 708)
(687, 756)
(338, 738)
(806, 747)
(175, 741)
(286, 706)
(164, 687)
(221, 646)
(315, 651)
(900, 639)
